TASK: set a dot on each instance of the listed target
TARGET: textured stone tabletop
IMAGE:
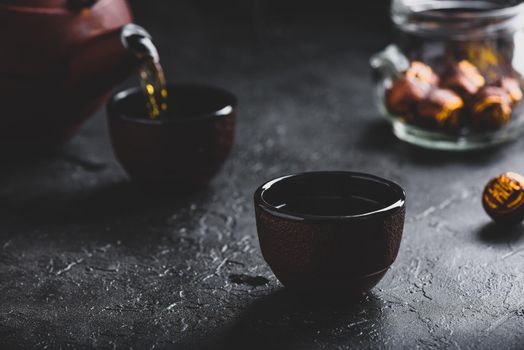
(88, 260)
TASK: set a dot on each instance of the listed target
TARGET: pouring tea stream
(152, 79)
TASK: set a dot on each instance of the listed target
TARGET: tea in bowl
(185, 147)
(330, 231)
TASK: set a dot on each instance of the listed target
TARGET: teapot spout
(104, 62)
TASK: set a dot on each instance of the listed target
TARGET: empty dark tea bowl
(184, 148)
(330, 231)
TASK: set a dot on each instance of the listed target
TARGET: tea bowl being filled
(333, 232)
(173, 136)
(185, 146)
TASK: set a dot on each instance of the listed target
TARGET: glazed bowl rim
(389, 210)
(224, 112)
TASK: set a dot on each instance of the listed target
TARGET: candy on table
(503, 198)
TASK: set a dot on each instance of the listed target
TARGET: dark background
(211, 27)
(87, 259)
(258, 15)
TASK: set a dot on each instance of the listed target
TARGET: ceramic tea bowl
(330, 231)
(183, 149)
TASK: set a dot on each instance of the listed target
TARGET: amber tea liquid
(152, 79)
(153, 85)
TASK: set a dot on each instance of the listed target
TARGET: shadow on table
(493, 233)
(20, 161)
(378, 136)
(285, 320)
(98, 207)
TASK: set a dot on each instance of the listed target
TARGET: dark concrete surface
(88, 260)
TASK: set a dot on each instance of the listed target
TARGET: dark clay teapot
(60, 59)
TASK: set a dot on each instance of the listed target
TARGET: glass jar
(453, 77)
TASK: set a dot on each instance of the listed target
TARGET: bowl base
(339, 288)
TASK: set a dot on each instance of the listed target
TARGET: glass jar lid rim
(457, 17)
(470, 8)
